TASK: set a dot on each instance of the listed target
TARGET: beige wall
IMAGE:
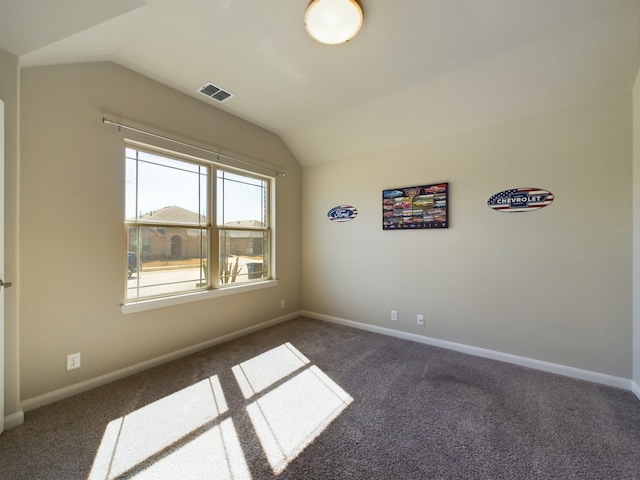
(636, 235)
(72, 234)
(9, 92)
(552, 285)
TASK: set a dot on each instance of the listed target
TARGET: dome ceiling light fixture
(333, 21)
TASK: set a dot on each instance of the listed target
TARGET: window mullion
(214, 234)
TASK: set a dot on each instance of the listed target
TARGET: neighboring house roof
(245, 233)
(246, 223)
(173, 214)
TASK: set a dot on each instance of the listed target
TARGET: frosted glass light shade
(333, 21)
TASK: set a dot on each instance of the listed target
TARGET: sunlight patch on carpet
(191, 433)
(264, 370)
(179, 432)
(214, 454)
(289, 416)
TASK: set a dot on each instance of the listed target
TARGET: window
(179, 209)
(243, 223)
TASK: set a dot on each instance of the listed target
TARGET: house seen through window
(192, 225)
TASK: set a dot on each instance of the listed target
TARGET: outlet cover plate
(73, 361)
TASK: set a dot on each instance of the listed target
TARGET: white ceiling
(418, 68)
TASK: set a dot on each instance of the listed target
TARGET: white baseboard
(635, 388)
(54, 396)
(17, 419)
(14, 420)
(564, 370)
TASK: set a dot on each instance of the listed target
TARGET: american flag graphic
(520, 200)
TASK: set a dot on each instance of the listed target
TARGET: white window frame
(214, 288)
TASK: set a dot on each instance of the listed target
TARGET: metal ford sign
(520, 200)
(342, 213)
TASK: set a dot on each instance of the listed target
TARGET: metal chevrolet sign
(520, 200)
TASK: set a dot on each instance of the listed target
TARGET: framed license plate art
(424, 206)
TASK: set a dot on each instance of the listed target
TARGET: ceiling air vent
(210, 90)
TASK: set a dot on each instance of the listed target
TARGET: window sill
(151, 304)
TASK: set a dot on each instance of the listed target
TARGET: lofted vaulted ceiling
(418, 68)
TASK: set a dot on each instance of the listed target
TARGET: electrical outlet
(394, 315)
(420, 319)
(73, 361)
(283, 303)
